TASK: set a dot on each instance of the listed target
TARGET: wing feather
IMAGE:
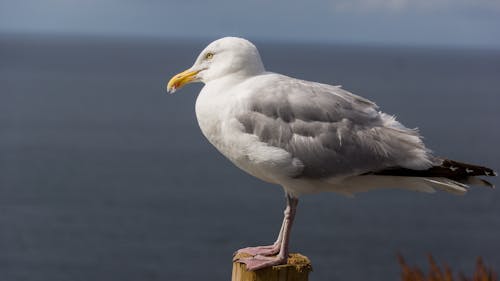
(330, 130)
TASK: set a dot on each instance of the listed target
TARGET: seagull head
(223, 57)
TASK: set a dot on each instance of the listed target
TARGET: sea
(105, 176)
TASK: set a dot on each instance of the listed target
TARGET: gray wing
(331, 131)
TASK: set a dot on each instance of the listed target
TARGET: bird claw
(259, 262)
(269, 250)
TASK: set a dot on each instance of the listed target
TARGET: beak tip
(171, 90)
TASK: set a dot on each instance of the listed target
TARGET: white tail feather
(370, 182)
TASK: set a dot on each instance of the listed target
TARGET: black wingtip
(468, 169)
(453, 170)
(490, 173)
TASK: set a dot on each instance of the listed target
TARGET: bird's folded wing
(329, 130)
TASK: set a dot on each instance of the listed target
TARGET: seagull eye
(209, 56)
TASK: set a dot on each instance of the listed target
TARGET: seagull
(308, 137)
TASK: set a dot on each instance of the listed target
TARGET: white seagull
(308, 137)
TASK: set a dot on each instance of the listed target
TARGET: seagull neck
(249, 70)
(236, 77)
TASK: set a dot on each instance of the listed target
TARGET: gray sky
(422, 22)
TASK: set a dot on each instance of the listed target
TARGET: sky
(404, 22)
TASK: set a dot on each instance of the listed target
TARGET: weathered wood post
(297, 269)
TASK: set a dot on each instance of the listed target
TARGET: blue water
(105, 177)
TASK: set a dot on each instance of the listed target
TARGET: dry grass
(436, 273)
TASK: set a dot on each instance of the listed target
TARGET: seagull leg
(267, 250)
(261, 261)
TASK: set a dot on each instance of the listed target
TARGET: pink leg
(261, 261)
(267, 250)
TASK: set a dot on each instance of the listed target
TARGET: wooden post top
(297, 269)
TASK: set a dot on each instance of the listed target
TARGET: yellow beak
(181, 79)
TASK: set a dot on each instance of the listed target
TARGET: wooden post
(297, 269)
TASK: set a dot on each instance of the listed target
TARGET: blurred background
(105, 177)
